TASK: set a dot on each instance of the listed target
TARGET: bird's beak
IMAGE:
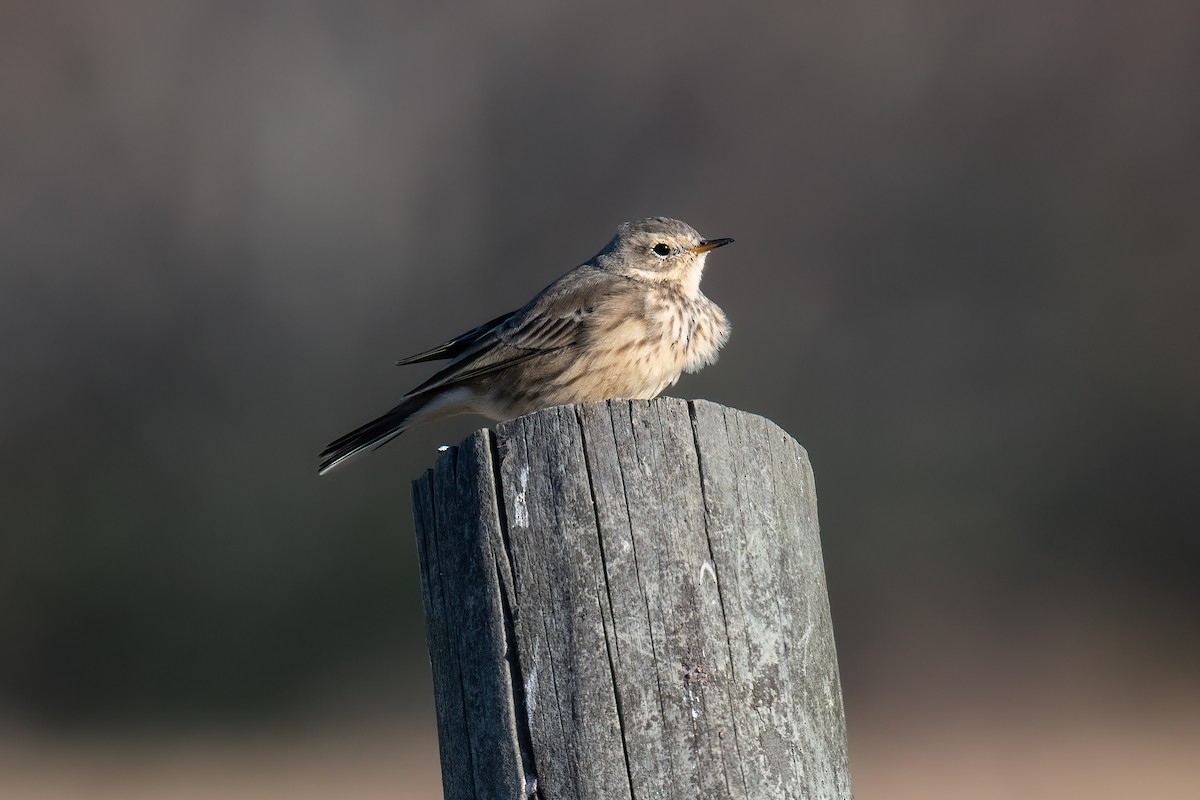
(710, 244)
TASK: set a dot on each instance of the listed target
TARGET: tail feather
(374, 434)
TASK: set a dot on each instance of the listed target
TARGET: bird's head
(658, 249)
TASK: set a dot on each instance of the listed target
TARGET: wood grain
(627, 600)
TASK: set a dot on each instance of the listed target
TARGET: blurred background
(966, 279)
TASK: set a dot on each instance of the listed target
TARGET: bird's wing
(557, 318)
(458, 344)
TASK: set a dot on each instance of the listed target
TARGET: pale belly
(637, 359)
(638, 362)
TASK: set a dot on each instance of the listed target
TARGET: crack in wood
(504, 576)
(712, 559)
(609, 644)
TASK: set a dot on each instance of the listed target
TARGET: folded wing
(558, 318)
(458, 344)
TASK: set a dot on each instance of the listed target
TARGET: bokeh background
(966, 278)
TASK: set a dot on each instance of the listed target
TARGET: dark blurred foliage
(966, 279)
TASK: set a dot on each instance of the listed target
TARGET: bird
(624, 324)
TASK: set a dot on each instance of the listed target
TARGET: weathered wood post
(626, 600)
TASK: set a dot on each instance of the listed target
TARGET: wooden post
(626, 601)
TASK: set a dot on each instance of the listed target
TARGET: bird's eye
(662, 250)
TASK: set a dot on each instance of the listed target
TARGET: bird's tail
(375, 433)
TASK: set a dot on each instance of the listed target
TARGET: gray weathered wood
(627, 600)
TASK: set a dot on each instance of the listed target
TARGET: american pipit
(625, 324)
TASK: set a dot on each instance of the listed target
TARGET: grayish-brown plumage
(625, 324)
